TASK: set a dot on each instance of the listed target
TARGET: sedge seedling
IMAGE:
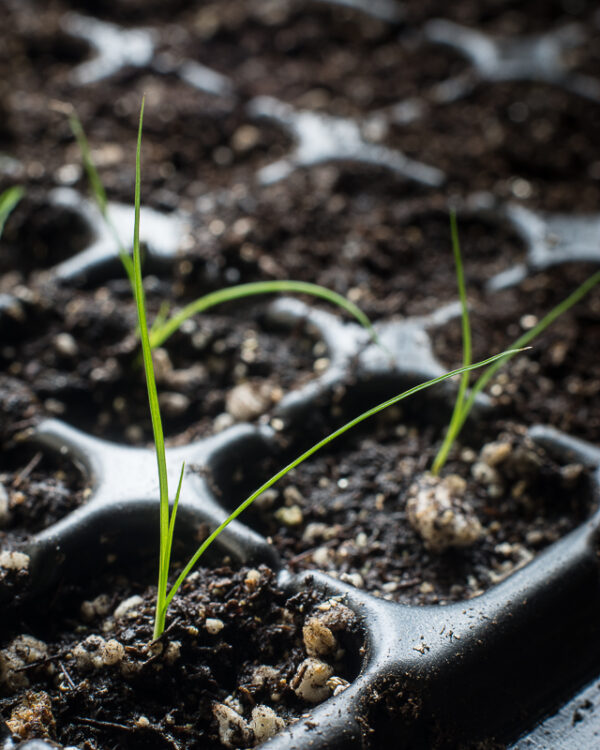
(168, 516)
(164, 325)
(463, 404)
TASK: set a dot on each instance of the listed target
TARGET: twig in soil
(27, 470)
(19, 431)
(103, 724)
(307, 553)
(99, 723)
(408, 584)
(67, 675)
(40, 662)
(170, 628)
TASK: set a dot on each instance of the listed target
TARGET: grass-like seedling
(452, 431)
(164, 326)
(97, 187)
(167, 517)
(8, 201)
(463, 406)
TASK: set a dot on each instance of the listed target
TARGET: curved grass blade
(162, 332)
(97, 188)
(163, 328)
(322, 443)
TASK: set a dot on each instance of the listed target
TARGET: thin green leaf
(162, 333)
(322, 443)
(151, 386)
(162, 329)
(161, 614)
(159, 320)
(88, 163)
(523, 340)
(98, 191)
(442, 454)
(8, 201)
(174, 515)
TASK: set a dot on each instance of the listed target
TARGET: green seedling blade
(322, 443)
(8, 201)
(442, 454)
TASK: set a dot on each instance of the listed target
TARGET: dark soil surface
(390, 257)
(344, 511)
(196, 142)
(188, 134)
(505, 16)
(83, 363)
(324, 59)
(36, 490)
(530, 141)
(234, 641)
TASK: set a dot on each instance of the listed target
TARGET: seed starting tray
(490, 667)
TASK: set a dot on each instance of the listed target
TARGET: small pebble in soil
(487, 475)
(22, 651)
(354, 579)
(249, 400)
(319, 631)
(314, 531)
(172, 652)
(95, 652)
(233, 728)
(98, 607)
(310, 681)
(222, 422)
(214, 625)
(264, 676)
(495, 453)
(290, 516)
(438, 512)
(318, 638)
(126, 607)
(292, 496)
(337, 685)
(174, 404)
(252, 579)
(265, 723)
(322, 557)
(65, 345)
(570, 474)
(13, 561)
